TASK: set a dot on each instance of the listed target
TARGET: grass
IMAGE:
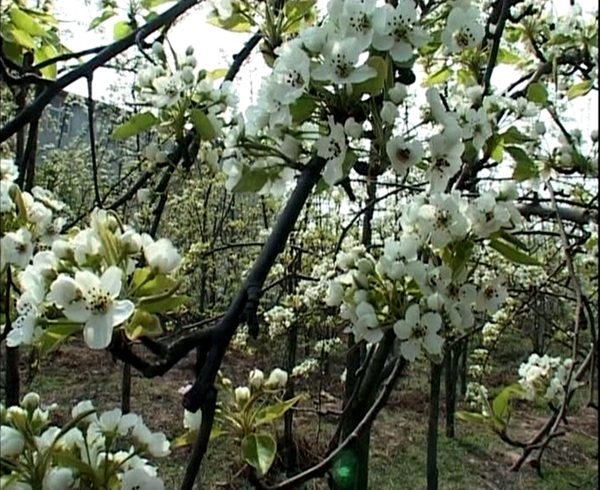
(475, 459)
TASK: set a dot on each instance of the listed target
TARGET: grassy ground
(475, 459)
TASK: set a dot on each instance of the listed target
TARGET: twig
(37, 106)
(90, 107)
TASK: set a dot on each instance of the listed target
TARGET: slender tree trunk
(290, 453)
(464, 357)
(432, 433)
(451, 378)
(362, 445)
(126, 389)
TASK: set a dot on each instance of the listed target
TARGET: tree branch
(35, 108)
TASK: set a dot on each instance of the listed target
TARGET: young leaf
(103, 17)
(471, 416)
(251, 180)
(46, 52)
(235, 23)
(579, 89)
(142, 324)
(501, 404)
(512, 136)
(121, 29)
(536, 92)
(375, 84)
(302, 109)
(26, 23)
(203, 125)
(163, 305)
(273, 412)
(259, 450)
(438, 77)
(525, 168)
(137, 124)
(512, 253)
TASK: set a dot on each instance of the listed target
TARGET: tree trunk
(126, 389)
(432, 433)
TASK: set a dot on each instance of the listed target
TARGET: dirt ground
(474, 459)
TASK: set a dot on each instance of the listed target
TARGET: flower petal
(121, 311)
(98, 331)
(111, 281)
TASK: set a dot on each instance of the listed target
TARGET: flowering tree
(408, 95)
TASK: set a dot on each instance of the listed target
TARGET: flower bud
(30, 401)
(242, 395)
(277, 379)
(158, 49)
(594, 136)
(187, 75)
(256, 378)
(398, 93)
(189, 51)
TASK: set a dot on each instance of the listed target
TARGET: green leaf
(22, 38)
(460, 256)
(259, 450)
(536, 92)
(513, 136)
(103, 17)
(142, 324)
(46, 52)
(495, 145)
(251, 180)
(295, 9)
(26, 23)
(158, 285)
(203, 125)
(140, 277)
(513, 254)
(375, 84)
(12, 50)
(276, 411)
(235, 23)
(164, 305)
(509, 237)
(216, 74)
(501, 404)
(579, 89)
(508, 57)
(438, 77)
(190, 437)
(525, 168)
(471, 416)
(57, 333)
(121, 29)
(148, 4)
(137, 124)
(302, 108)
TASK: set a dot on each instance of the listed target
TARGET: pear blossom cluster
(95, 450)
(546, 377)
(278, 320)
(414, 286)
(331, 59)
(97, 278)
